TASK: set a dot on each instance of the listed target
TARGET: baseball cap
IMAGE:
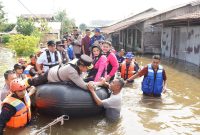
(129, 55)
(97, 30)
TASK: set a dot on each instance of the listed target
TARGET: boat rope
(57, 120)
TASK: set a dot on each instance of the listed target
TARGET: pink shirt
(112, 59)
(100, 65)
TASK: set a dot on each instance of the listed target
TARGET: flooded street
(176, 112)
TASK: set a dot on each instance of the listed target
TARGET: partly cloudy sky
(84, 11)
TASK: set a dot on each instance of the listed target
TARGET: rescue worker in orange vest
(128, 67)
(16, 111)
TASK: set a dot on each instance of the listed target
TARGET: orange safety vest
(127, 74)
(23, 114)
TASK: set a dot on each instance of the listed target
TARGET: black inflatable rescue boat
(58, 99)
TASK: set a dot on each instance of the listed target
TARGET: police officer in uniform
(49, 58)
(67, 73)
(64, 55)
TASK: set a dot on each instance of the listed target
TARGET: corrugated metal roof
(185, 17)
(195, 15)
(142, 17)
(129, 21)
(194, 3)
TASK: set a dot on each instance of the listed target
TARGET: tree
(25, 27)
(82, 26)
(67, 24)
(23, 45)
(6, 27)
(2, 14)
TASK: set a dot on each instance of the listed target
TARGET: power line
(25, 7)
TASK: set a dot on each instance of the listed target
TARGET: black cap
(50, 43)
(18, 66)
(86, 61)
(58, 42)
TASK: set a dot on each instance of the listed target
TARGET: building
(38, 17)
(131, 33)
(53, 26)
(181, 37)
(143, 32)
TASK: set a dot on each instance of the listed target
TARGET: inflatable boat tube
(57, 99)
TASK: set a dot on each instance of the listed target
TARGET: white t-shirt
(113, 106)
(43, 59)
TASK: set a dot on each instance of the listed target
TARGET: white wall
(166, 42)
(189, 44)
(193, 42)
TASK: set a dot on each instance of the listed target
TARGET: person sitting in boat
(18, 68)
(64, 55)
(9, 75)
(99, 62)
(112, 63)
(128, 67)
(33, 59)
(154, 82)
(66, 73)
(16, 111)
(49, 58)
(113, 103)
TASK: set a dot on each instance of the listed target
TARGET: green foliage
(23, 45)
(6, 27)
(82, 26)
(44, 26)
(2, 14)
(25, 27)
(5, 38)
(67, 24)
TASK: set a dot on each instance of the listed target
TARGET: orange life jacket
(23, 114)
(125, 74)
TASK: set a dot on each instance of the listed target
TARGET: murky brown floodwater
(177, 112)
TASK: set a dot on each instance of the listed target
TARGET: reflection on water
(6, 62)
(176, 112)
